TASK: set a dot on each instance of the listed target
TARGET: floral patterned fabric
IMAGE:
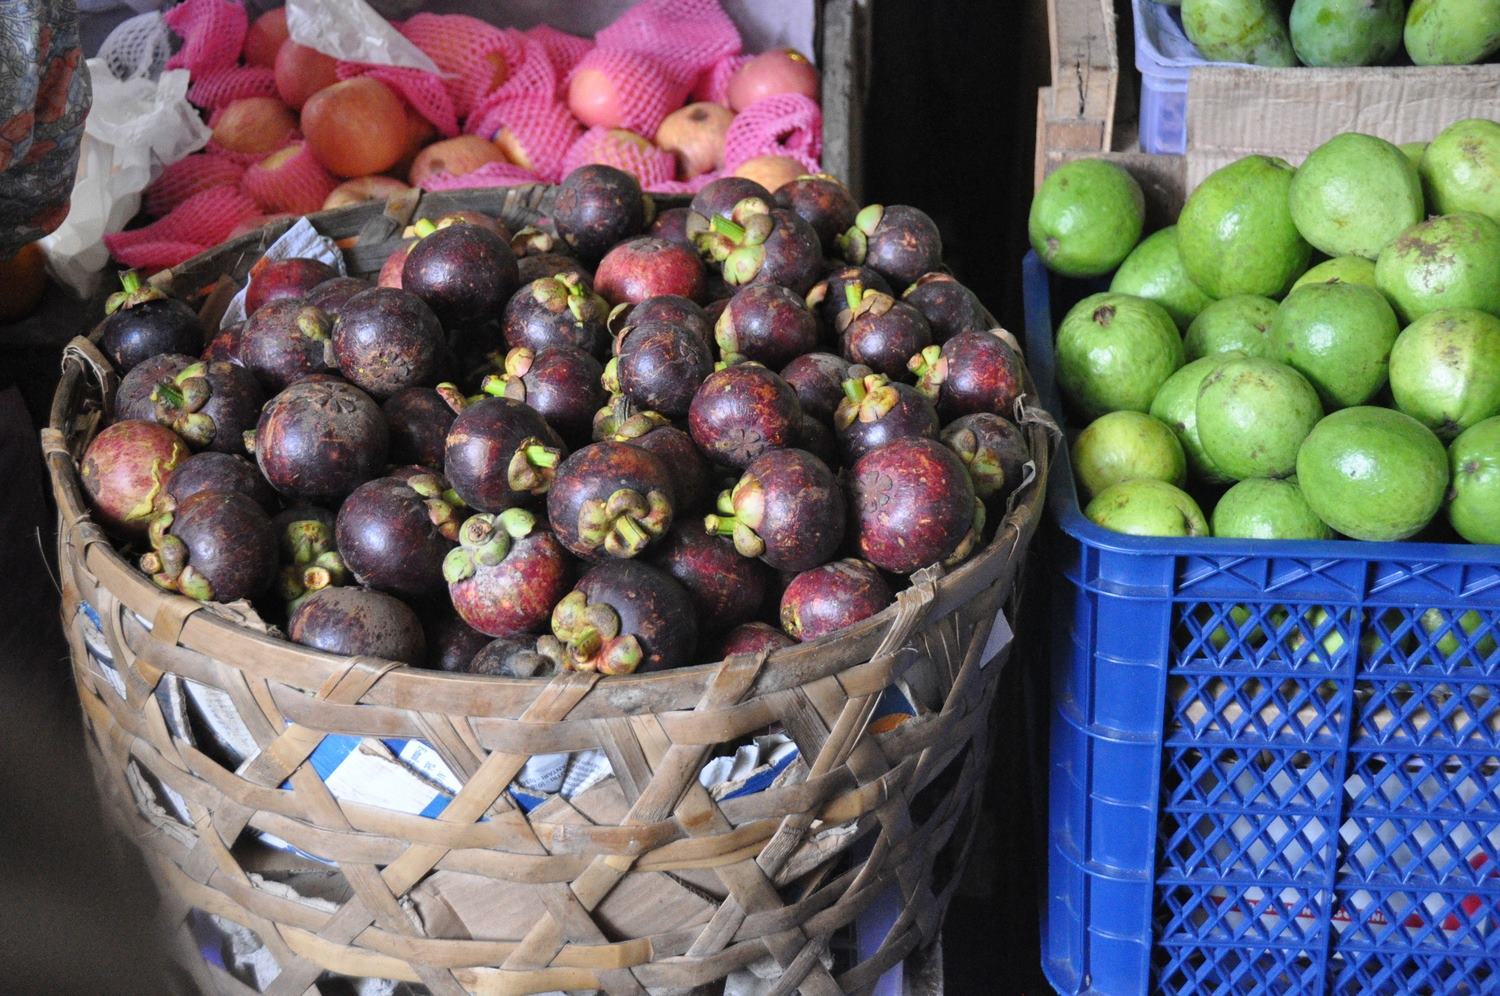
(44, 97)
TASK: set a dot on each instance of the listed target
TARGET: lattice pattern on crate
(1330, 784)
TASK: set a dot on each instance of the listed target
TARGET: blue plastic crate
(1267, 775)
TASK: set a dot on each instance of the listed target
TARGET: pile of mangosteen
(619, 441)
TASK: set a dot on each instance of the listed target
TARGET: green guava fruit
(1124, 446)
(1452, 32)
(1252, 31)
(1451, 261)
(1086, 218)
(1353, 194)
(1470, 624)
(1176, 404)
(1445, 370)
(1413, 151)
(1474, 501)
(1373, 473)
(1261, 508)
(1146, 507)
(1154, 271)
(1461, 169)
(1114, 351)
(1239, 324)
(1339, 337)
(1236, 233)
(1340, 270)
(1252, 416)
(1337, 33)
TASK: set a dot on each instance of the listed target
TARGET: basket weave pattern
(777, 873)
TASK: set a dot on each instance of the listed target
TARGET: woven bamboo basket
(652, 884)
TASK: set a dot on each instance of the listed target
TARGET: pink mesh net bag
(291, 180)
(203, 220)
(215, 88)
(534, 129)
(243, 158)
(787, 124)
(563, 50)
(643, 89)
(713, 83)
(636, 156)
(186, 177)
(532, 78)
(425, 92)
(213, 32)
(685, 36)
(469, 50)
(488, 175)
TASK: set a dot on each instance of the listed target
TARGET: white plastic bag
(352, 31)
(134, 129)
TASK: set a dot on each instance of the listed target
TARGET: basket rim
(786, 667)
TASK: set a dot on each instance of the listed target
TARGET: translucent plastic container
(1164, 56)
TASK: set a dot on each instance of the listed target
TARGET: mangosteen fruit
(753, 638)
(766, 323)
(994, 450)
(280, 279)
(881, 332)
(224, 345)
(561, 382)
(659, 366)
(718, 198)
(970, 373)
(359, 622)
(393, 534)
(465, 273)
(828, 598)
(623, 616)
(419, 420)
(610, 499)
(386, 340)
(285, 341)
(215, 546)
(142, 322)
(741, 412)
(598, 206)
(787, 509)
(501, 453)
(506, 574)
(669, 308)
(210, 405)
(671, 225)
(830, 296)
(451, 643)
(213, 471)
(556, 310)
(948, 306)
(133, 396)
(767, 246)
(900, 242)
(726, 588)
(511, 657)
(332, 294)
(318, 440)
(818, 379)
(647, 266)
(395, 263)
(876, 410)
(824, 203)
(309, 560)
(913, 505)
(815, 436)
(690, 473)
(125, 472)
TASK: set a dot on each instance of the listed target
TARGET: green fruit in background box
(1474, 500)
(1353, 194)
(1250, 637)
(1126, 446)
(1154, 271)
(1176, 404)
(1253, 415)
(1261, 508)
(1238, 324)
(1340, 270)
(1452, 32)
(1252, 31)
(1346, 32)
(1445, 370)
(1339, 337)
(1413, 151)
(1461, 168)
(1236, 233)
(1469, 624)
(1451, 261)
(1145, 507)
(1086, 218)
(1373, 473)
(1114, 351)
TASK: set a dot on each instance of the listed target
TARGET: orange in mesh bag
(476, 55)
(624, 150)
(290, 180)
(535, 132)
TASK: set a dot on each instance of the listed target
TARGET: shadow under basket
(648, 880)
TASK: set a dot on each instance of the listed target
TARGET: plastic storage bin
(1164, 56)
(1274, 767)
